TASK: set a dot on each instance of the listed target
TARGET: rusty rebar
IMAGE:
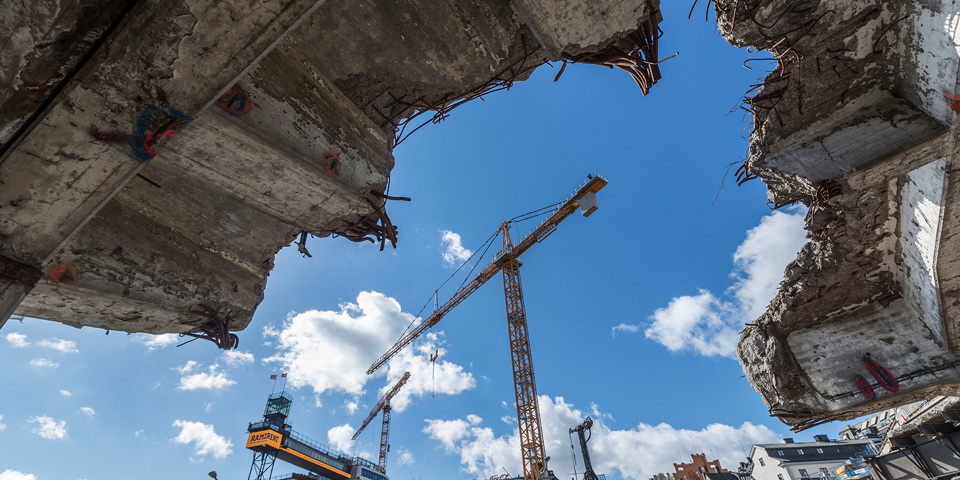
(216, 330)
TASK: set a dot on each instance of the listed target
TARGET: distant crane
(588, 474)
(507, 260)
(383, 404)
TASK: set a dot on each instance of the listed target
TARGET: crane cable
(534, 213)
(436, 292)
(515, 220)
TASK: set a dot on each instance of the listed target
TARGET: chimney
(821, 438)
(787, 440)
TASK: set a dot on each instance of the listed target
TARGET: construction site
(157, 156)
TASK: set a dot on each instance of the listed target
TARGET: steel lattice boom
(508, 261)
(383, 404)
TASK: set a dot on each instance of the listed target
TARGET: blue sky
(633, 312)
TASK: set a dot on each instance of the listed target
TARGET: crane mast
(524, 384)
(507, 260)
(384, 405)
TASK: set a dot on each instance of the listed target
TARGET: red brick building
(697, 469)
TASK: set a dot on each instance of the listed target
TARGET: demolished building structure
(856, 121)
(155, 155)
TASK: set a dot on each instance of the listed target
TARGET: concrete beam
(218, 222)
(136, 274)
(268, 176)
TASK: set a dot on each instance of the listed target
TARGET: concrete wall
(921, 215)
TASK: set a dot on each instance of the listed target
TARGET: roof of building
(722, 476)
(832, 443)
(813, 451)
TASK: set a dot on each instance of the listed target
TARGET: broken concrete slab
(568, 28)
(853, 82)
(302, 143)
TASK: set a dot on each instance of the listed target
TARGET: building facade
(873, 427)
(801, 461)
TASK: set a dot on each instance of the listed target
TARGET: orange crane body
(383, 404)
(507, 260)
(524, 383)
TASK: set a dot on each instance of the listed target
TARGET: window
(819, 450)
(762, 464)
(780, 452)
(372, 475)
(803, 473)
(780, 476)
(799, 451)
(824, 473)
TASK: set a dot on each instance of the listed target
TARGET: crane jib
(583, 198)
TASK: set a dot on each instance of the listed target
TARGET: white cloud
(710, 325)
(449, 432)
(406, 458)
(15, 475)
(702, 323)
(331, 351)
(636, 453)
(138, 433)
(3, 426)
(207, 407)
(87, 411)
(235, 357)
(351, 407)
(339, 437)
(453, 251)
(188, 367)
(65, 393)
(44, 363)
(59, 344)
(626, 327)
(17, 340)
(210, 380)
(154, 342)
(205, 439)
(49, 428)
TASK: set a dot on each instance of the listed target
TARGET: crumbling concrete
(156, 155)
(853, 122)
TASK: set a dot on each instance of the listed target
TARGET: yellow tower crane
(507, 260)
(383, 404)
